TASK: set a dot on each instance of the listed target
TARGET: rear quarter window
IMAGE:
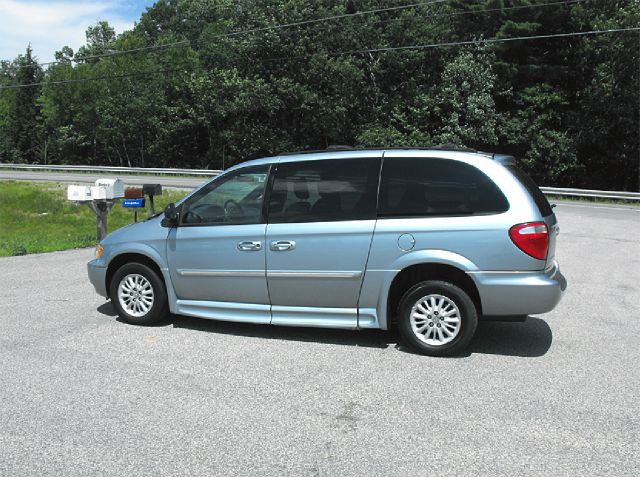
(423, 187)
(538, 197)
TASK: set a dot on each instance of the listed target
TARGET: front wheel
(437, 318)
(138, 294)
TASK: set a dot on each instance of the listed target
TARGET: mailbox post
(134, 204)
(100, 198)
(152, 190)
(101, 208)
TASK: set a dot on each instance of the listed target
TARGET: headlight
(99, 250)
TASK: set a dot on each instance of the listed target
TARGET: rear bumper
(97, 276)
(519, 293)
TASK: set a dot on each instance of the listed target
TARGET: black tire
(468, 319)
(158, 308)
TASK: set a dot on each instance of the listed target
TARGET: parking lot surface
(83, 394)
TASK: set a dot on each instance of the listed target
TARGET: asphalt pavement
(82, 393)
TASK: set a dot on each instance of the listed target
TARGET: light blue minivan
(429, 240)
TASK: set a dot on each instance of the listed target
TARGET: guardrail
(596, 194)
(111, 169)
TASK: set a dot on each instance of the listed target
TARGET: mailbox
(98, 192)
(79, 193)
(152, 189)
(133, 193)
(113, 189)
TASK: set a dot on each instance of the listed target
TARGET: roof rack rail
(335, 148)
(452, 147)
(340, 147)
(330, 148)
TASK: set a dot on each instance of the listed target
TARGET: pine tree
(22, 121)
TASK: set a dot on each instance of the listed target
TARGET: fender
(384, 278)
(444, 257)
(152, 254)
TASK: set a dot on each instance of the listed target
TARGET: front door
(217, 253)
(322, 215)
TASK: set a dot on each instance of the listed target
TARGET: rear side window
(324, 191)
(418, 187)
(538, 197)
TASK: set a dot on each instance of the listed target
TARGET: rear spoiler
(504, 159)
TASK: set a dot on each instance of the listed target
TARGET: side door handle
(282, 245)
(249, 246)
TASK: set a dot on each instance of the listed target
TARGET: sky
(51, 24)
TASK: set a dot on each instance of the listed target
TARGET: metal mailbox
(79, 193)
(152, 189)
(133, 193)
(113, 189)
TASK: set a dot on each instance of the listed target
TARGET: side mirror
(171, 215)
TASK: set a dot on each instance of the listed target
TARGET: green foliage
(567, 107)
(465, 101)
(20, 123)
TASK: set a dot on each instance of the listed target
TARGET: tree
(22, 125)
(566, 107)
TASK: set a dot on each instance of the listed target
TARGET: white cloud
(50, 25)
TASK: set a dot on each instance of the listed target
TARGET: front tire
(138, 294)
(437, 318)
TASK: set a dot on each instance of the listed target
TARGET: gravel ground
(84, 394)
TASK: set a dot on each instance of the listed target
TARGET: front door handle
(249, 246)
(282, 245)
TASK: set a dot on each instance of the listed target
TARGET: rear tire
(138, 294)
(437, 318)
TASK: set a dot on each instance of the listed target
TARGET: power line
(243, 32)
(111, 53)
(335, 17)
(185, 43)
(458, 43)
(348, 52)
(472, 12)
(95, 78)
(134, 50)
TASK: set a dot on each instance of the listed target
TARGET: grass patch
(36, 218)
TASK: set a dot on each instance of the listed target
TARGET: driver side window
(234, 199)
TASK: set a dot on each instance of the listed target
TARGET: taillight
(532, 238)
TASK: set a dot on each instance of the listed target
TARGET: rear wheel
(138, 294)
(437, 318)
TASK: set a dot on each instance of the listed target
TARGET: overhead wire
(480, 41)
(243, 32)
(462, 13)
(185, 43)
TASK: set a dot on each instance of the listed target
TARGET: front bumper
(520, 293)
(97, 271)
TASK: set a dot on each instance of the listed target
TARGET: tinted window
(233, 199)
(538, 197)
(435, 187)
(325, 191)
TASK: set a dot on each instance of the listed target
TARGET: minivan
(426, 240)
